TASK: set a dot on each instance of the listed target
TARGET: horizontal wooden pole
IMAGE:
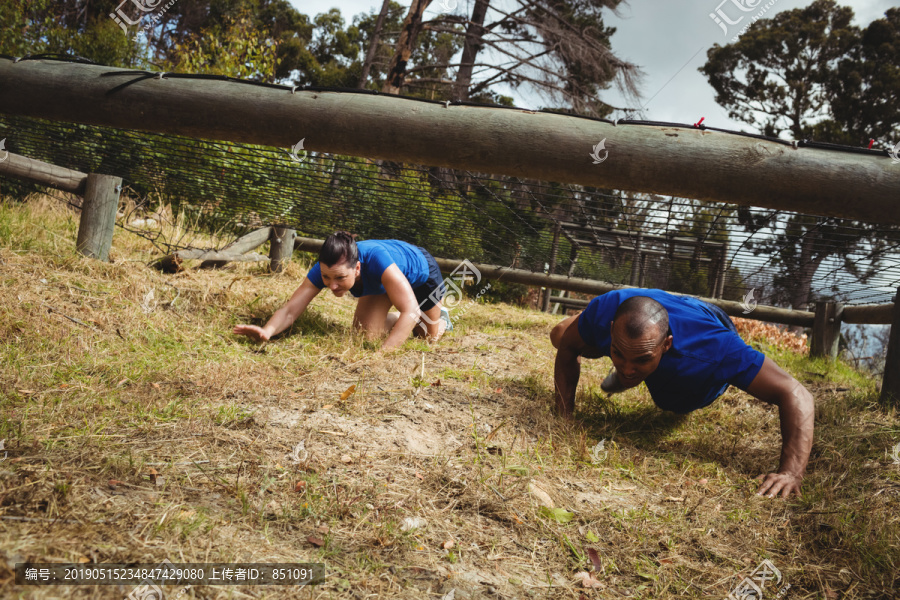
(245, 243)
(569, 302)
(869, 314)
(220, 256)
(36, 171)
(669, 161)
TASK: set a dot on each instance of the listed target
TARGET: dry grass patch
(139, 428)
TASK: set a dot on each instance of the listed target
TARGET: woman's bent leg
(371, 315)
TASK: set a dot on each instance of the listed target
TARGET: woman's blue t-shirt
(375, 257)
(704, 358)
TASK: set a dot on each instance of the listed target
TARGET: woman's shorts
(432, 291)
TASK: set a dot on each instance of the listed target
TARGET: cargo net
(677, 244)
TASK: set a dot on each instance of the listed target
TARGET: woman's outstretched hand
(257, 334)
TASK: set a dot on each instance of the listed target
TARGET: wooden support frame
(100, 195)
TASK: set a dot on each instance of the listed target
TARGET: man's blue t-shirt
(704, 358)
(375, 257)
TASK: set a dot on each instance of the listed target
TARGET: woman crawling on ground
(382, 274)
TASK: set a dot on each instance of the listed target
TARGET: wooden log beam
(872, 314)
(220, 255)
(569, 302)
(36, 171)
(243, 244)
(684, 162)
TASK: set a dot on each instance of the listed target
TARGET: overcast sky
(668, 39)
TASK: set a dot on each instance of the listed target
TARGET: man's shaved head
(640, 316)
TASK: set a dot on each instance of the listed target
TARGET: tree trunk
(373, 46)
(472, 47)
(808, 265)
(412, 25)
(807, 269)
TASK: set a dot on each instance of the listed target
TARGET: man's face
(339, 278)
(636, 358)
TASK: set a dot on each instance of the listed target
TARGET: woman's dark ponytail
(339, 248)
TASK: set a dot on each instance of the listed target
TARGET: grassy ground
(138, 428)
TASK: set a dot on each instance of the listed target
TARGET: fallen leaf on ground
(301, 485)
(588, 580)
(346, 459)
(317, 542)
(327, 406)
(323, 529)
(560, 515)
(436, 383)
(595, 559)
(448, 544)
(540, 495)
(348, 392)
(591, 537)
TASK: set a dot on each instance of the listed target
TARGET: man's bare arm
(567, 369)
(796, 409)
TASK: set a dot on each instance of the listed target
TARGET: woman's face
(339, 278)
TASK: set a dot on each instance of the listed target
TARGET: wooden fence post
(98, 215)
(890, 385)
(282, 246)
(826, 329)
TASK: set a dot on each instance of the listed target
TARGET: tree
(774, 76)
(865, 87)
(558, 48)
(781, 77)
